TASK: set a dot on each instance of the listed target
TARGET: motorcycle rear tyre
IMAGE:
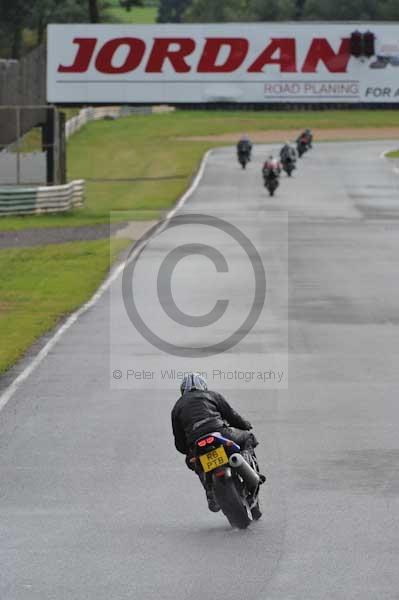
(231, 503)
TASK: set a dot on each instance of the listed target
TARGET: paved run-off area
(94, 501)
(27, 238)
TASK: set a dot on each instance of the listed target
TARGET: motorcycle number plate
(215, 458)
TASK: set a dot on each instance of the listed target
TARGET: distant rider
(287, 153)
(310, 137)
(244, 146)
(198, 412)
(271, 168)
(306, 138)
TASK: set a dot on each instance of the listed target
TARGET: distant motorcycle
(301, 147)
(244, 157)
(244, 149)
(304, 142)
(288, 158)
(288, 164)
(233, 473)
(271, 184)
(271, 174)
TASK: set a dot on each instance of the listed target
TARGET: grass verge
(39, 286)
(146, 149)
(393, 154)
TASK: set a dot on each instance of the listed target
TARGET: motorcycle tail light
(202, 443)
(219, 473)
(210, 439)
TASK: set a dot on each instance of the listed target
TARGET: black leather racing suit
(287, 153)
(244, 147)
(198, 412)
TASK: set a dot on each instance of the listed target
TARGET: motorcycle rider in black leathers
(199, 411)
(287, 152)
(310, 137)
(288, 158)
(245, 146)
(271, 168)
(306, 137)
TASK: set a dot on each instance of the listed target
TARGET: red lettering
(161, 51)
(220, 55)
(132, 60)
(238, 49)
(286, 58)
(320, 50)
(83, 56)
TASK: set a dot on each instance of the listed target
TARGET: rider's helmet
(191, 382)
(308, 131)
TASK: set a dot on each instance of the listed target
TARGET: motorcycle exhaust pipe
(250, 477)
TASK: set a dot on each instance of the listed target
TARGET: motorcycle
(301, 147)
(233, 474)
(243, 158)
(288, 165)
(304, 143)
(271, 181)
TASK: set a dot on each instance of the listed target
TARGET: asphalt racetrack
(96, 504)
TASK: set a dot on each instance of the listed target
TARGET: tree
(56, 11)
(171, 11)
(388, 10)
(240, 10)
(128, 4)
(17, 15)
(273, 10)
(94, 12)
(14, 15)
(344, 10)
(208, 11)
(299, 8)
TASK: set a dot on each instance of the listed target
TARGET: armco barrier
(34, 200)
(58, 198)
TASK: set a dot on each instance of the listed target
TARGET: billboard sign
(257, 62)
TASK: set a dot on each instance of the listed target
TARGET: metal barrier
(35, 200)
(16, 200)
(36, 156)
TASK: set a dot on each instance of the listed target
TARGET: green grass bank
(39, 286)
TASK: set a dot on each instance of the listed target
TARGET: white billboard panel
(257, 62)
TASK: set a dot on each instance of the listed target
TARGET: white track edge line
(32, 366)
